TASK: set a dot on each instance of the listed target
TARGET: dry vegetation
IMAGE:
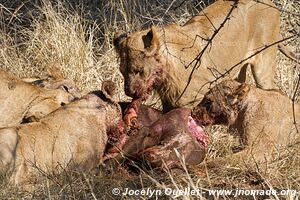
(36, 34)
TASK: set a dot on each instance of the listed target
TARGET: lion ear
(108, 88)
(240, 93)
(151, 41)
(119, 37)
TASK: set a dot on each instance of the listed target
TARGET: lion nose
(131, 92)
(127, 90)
(126, 87)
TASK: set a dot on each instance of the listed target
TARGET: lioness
(263, 119)
(73, 136)
(162, 58)
(21, 101)
(55, 80)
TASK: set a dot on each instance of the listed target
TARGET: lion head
(140, 62)
(220, 104)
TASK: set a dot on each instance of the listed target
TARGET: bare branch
(194, 41)
(209, 41)
(293, 102)
(252, 55)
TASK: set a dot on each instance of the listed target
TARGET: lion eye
(142, 71)
(139, 71)
(142, 55)
(207, 105)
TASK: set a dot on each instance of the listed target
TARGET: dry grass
(79, 39)
(287, 70)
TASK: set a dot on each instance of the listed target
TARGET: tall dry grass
(79, 38)
(59, 36)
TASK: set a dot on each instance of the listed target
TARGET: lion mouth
(147, 93)
(197, 132)
(202, 117)
(153, 83)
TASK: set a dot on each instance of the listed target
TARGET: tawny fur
(21, 100)
(73, 136)
(263, 119)
(55, 80)
(155, 59)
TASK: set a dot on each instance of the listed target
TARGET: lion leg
(263, 68)
(8, 143)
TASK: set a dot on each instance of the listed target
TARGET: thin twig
(227, 72)
(209, 41)
(252, 55)
(293, 102)
(14, 14)
(175, 8)
(148, 18)
(171, 4)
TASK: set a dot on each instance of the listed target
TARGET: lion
(25, 102)
(55, 80)
(167, 59)
(72, 137)
(264, 119)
